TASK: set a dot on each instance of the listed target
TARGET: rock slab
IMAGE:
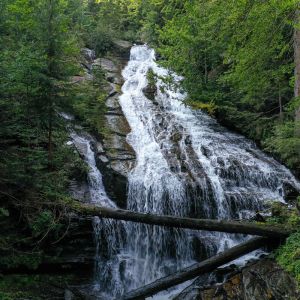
(263, 280)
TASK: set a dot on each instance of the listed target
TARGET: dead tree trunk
(187, 223)
(195, 270)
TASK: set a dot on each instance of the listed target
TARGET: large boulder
(88, 54)
(150, 91)
(106, 64)
(122, 50)
(79, 190)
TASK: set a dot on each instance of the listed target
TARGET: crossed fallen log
(267, 233)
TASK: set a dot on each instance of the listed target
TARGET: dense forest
(240, 62)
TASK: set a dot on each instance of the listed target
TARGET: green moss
(284, 216)
(210, 108)
(288, 255)
(18, 287)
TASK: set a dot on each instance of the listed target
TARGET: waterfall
(187, 165)
(108, 234)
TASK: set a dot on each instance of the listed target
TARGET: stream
(187, 165)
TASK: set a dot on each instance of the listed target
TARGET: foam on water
(108, 234)
(187, 165)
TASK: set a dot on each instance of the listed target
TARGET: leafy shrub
(210, 108)
(89, 102)
(151, 78)
(288, 255)
(44, 220)
(285, 143)
(101, 40)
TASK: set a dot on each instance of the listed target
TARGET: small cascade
(108, 234)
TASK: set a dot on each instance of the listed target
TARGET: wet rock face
(106, 65)
(88, 56)
(79, 190)
(263, 280)
(115, 163)
(290, 192)
(122, 50)
(77, 249)
(114, 157)
(150, 91)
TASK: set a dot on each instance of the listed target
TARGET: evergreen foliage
(236, 57)
(288, 255)
(37, 57)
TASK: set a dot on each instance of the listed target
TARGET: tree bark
(50, 73)
(297, 66)
(195, 270)
(178, 222)
(50, 129)
(297, 54)
(280, 105)
(205, 68)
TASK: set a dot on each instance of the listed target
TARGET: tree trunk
(187, 223)
(297, 66)
(50, 57)
(205, 68)
(195, 270)
(297, 54)
(50, 129)
(280, 105)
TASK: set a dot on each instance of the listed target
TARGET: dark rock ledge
(260, 280)
(114, 156)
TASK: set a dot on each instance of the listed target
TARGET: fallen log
(178, 222)
(195, 270)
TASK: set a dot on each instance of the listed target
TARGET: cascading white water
(187, 165)
(109, 234)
